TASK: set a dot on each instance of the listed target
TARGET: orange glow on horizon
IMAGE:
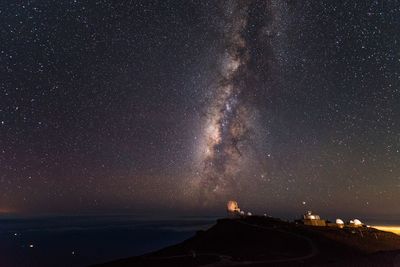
(393, 229)
(5, 210)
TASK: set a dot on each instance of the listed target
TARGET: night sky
(179, 106)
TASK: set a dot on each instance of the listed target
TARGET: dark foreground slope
(259, 241)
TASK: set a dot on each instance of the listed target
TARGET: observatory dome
(339, 221)
(232, 206)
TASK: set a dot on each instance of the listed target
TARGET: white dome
(339, 221)
(357, 222)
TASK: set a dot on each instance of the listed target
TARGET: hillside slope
(260, 241)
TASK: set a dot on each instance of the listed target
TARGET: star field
(173, 105)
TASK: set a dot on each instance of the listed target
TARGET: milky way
(228, 119)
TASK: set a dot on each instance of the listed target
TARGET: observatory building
(313, 219)
(339, 223)
(232, 208)
(356, 223)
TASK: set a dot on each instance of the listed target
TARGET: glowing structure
(313, 219)
(356, 223)
(310, 216)
(339, 223)
(233, 208)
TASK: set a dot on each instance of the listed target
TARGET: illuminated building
(313, 219)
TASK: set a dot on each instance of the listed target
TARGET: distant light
(15, 234)
(304, 202)
(31, 245)
(73, 252)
